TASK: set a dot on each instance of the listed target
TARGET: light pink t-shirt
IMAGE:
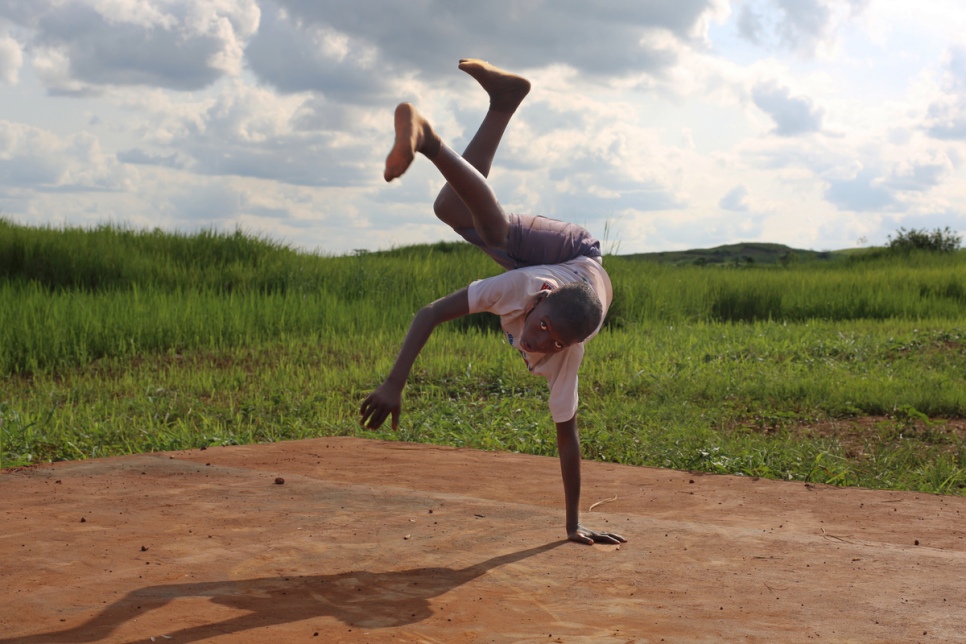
(508, 296)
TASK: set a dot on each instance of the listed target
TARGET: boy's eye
(543, 325)
(558, 344)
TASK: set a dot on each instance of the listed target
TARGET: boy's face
(540, 333)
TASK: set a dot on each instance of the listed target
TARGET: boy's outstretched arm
(568, 446)
(387, 398)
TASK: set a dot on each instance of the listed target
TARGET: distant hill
(740, 254)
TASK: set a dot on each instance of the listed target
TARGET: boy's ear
(535, 302)
(540, 298)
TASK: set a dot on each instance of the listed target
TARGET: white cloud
(921, 173)
(31, 158)
(736, 200)
(805, 27)
(609, 40)
(252, 132)
(863, 191)
(750, 24)
(11, 59)
(946, 116)
(294, 56)
(793, 115)
(25, 13)
(804, 23)
(175, 44)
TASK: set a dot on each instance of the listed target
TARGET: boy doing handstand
(552, 299)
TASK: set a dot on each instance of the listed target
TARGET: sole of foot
(413, 134)
(506, 90)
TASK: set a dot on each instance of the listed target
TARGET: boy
(552, 298)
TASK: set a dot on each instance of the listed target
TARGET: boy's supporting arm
(568, 446)
(387, 398)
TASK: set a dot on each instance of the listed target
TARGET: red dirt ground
(369, 541)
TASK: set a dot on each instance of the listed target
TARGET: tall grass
(111, 257)
(915, 286)
(71, 295)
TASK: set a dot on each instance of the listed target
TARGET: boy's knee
(450, 210)
(439, 206)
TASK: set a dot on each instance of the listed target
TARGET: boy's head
(561, 318)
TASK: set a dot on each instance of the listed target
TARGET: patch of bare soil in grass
(855, 435)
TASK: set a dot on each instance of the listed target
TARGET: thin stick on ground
(591, 508)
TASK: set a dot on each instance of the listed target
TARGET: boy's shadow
(358, 599)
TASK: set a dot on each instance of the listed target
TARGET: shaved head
(576, 311)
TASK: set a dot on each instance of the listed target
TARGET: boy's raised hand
(385, 400)
(590, 537)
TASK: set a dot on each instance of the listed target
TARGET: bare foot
(506, 90)
(413, 134)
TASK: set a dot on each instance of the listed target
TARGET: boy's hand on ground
(379, 405)
(590, 537)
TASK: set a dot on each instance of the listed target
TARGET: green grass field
(116, 341)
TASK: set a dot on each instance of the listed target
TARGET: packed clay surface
(344, 539)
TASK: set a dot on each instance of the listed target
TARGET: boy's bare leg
(506, 92)
(415, 134)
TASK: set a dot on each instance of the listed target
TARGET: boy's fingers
(608, 537)
(374, 413)
(377, 419)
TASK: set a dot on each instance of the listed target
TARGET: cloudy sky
(658, 124)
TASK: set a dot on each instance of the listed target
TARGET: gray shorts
(537, 240)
